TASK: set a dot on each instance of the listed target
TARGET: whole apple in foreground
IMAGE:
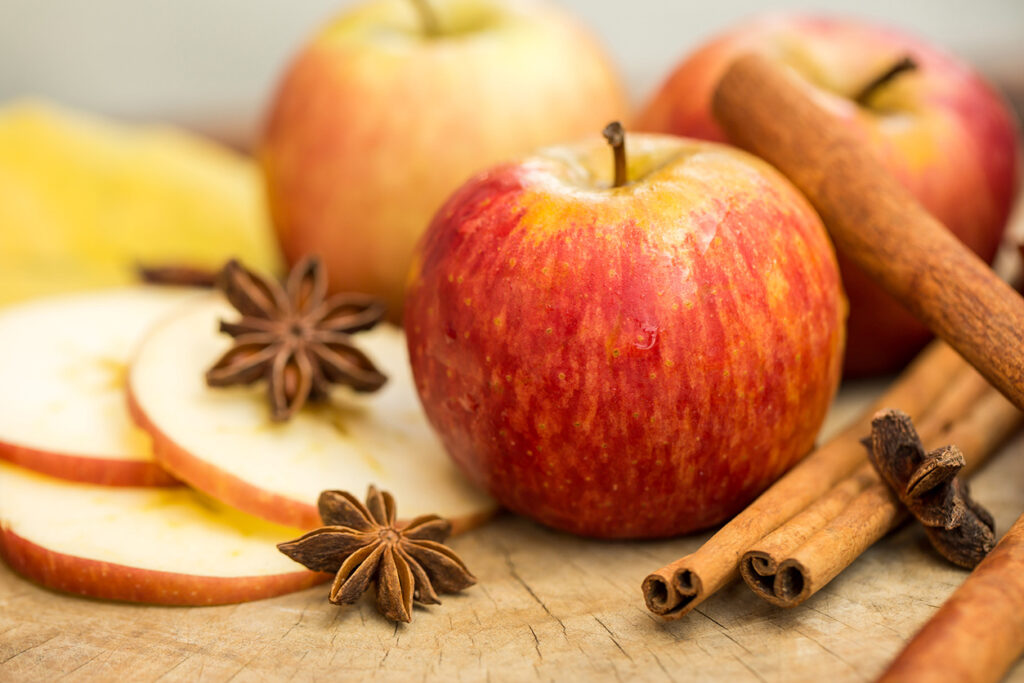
(388, 110)
(938, 126)
(634, 360)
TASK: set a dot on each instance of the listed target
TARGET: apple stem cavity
(615, 134)
(428, 18)
(902, 65)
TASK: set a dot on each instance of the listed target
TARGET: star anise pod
(177, 276)
(364, 545)
(293, 337)
(926, 482)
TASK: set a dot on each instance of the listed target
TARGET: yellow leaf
(83, 201)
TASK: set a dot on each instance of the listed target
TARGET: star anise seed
(363, 545)
(293, 337)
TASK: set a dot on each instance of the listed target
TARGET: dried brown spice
(926, 483)
(364, 545)
(178, 276)
(294, 337)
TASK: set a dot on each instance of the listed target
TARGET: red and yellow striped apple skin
(626, 363)
(943, 131)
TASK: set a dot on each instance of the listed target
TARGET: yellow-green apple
(632, 359)
(162, 546)
(63, 363)
(938, 126)
(386, 111)
(223, 442)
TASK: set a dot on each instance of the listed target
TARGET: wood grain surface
(548, 606)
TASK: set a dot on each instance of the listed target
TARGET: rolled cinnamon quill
(790, 579)
(761, 566)
(677, 588)
(875, 221)
(771, 567)
(979, 632)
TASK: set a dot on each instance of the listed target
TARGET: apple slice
(222, 441)
(168, 546)
(63, 363)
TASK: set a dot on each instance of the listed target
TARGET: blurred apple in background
(395, 103)
(942, 130)
(630, 361)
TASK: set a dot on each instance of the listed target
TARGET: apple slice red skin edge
(221, 485)
(109, 581)
(239, 494)
(87, 469)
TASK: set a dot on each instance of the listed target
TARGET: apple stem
(615, 134)
(428, 19)
(903, 65)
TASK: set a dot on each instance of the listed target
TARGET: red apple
(940, 128)
(381, 117)
(631, 361)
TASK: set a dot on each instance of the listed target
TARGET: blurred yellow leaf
(84, 201)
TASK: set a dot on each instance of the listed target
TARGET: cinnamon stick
(759, 566)
(979, 632)
(876, 510)
(675, 589)
(762, 565)
(874, 220)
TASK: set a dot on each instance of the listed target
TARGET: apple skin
(111, 581)
(942, 131)
(86, 469)
(349, 441)
(221, 485)
(374, 125)
(630, 362)
(160, 546)
(242, 495)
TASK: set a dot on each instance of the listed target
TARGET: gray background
(211, 64)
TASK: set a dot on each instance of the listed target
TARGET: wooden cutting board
(548, 606)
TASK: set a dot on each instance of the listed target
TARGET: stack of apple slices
(86, 508)
(62, 367)
(222, 441)
(164, 545)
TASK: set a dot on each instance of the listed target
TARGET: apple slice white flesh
(223, 442)
(63, 364)
(168, 546)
